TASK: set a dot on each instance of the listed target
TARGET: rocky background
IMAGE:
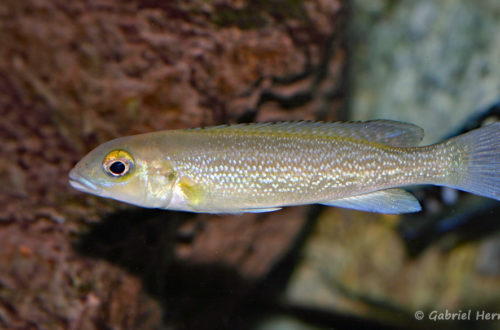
(432, 63)
(76, 74)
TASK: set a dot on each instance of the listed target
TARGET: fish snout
(80, 183)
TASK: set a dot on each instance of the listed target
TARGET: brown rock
(75, 74)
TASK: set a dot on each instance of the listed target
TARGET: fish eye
(117, 167)
(118, 163)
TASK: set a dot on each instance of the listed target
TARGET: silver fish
(263, 167)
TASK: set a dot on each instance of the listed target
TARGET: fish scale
(296, 170)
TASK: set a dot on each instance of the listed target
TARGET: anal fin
(389, 201)
(260, 210)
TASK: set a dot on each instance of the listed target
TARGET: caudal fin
(481, 172)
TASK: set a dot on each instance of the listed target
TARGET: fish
(263, 167)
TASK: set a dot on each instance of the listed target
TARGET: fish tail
(480, 170)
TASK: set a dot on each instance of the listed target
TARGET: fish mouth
(80, 183)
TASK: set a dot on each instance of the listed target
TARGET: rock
(76, 74)
(429, 63)
(355, 263)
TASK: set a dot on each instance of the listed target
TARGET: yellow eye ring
(118, 163)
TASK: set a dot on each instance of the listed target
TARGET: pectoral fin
(191, 190)
(389, 201)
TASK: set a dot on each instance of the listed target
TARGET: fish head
(126, 169)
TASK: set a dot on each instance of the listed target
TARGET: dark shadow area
(194, 296)
(472, 219)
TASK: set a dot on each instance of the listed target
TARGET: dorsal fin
(387, 132)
